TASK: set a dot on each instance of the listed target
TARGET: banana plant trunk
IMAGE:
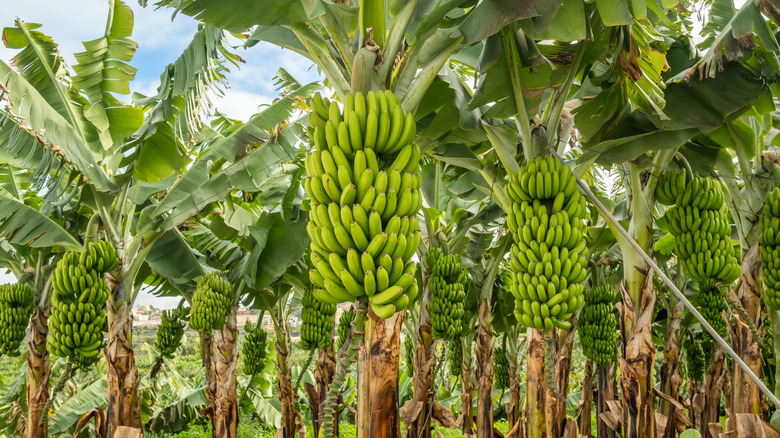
(286, 395)
(38, 376)
(636, 371)
(536, 391)
(745, 395)
(124, 401)
(424, 360)
(606, 392)
(513, 407)
(224, 411)
(484, 355)
(696, 403)
(584, 421)
(713, 387)
(670, 377)
(324, 371)
(378, 367)
(556, 396)
(467, 389)
(206, 352)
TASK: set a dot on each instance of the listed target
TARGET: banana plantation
(485, 218)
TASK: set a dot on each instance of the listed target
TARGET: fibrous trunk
(484, 355)
(224, 410)
(286, 397)
(424, 360)
(467, 389)
(536, 386)
(606, 392)
(324, 371)
(124, 402)
(670, 371)
(713, 387)
(513, 407)
(378, 366)
(38, 375)
(584, 412)
(636, 371)
(745, 395)
(556, 397)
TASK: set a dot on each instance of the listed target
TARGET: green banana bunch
(171, 331)
(670, 185)
(711, 306)
(16, 306)
(253, 351)
(598, 327)
(345, 324)
(364, 183)
(455, 356)
(78, 314)
(769, 246)
(447, 286)
(697, 364)
(317, 327)
(501, 368)
(409, 355)
(210, 303)
(699, 222)
(548, 255)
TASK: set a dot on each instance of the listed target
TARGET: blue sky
(160, 41)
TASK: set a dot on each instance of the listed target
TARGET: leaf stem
(509, 46)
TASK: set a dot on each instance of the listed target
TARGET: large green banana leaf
(21, 224)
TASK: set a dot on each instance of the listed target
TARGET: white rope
(679, 294)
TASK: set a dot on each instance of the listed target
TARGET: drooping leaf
(23, 225)
(489, 16)
(33, 107)
(222, 13)
(246, 174)
(285, 245)
(172, 258)
(86, 399)
(160, 156)
(615, 12)
(255, 130)
(188, 83)
(732, 34)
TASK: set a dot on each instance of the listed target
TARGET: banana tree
(126, 157)
(29, 249)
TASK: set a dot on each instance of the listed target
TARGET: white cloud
(240, 104)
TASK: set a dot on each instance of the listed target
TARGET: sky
(160, 41)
